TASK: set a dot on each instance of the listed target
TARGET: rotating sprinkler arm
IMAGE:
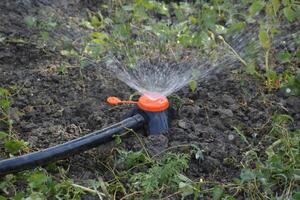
(116, 101)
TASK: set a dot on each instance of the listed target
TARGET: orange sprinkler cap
(153, 105)
(113, 100)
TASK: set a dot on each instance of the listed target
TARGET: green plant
(292, 87)
(9, 140)
(163, 173)
(276, 171)
(40, 185)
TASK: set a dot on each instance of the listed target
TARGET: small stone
(32, 140)
(210, 164)
(28, 109)
(218, 124)
(156, 144)
(14, 114)
(254, 135)
(226, 112)
(230, 137)
(228, 99)
(182, 124)
(28, 127)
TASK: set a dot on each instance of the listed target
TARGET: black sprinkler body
(157, 122)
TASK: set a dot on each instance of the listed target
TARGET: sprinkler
(151, 112)
(153, 107)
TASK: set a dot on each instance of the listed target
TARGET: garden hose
(72, 147)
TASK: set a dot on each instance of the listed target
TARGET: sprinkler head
(156, 110)
(157, 104)
(154, 107)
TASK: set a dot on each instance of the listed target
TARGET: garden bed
(54, 100)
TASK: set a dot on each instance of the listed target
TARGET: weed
(9, 140)
(276, 170)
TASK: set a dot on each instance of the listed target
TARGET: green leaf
(44, 35)
(163, 9)
(95, 22)
(99, 35)
(256, 7)
(36, 196)
(237, 26)
(185, 189)
(118, 139)
(296, 195)
(2, 197)
(217, 192)
(220, 29)
(286, 2)
(30, 21)
(3, 135)
(276, 5)
(251, 69)
(3, 92)
(247, 175)
(193, 85)
(227, 197)
(284, 56)
(271, 74)
(4, 103)
(281, 119)
(206, 41)
(19, 196)
(289, 14)
(122, 31)
(193, 19)
(14, 146)
(209, 18)
(37, 179)
(264, 39)
(128, 8)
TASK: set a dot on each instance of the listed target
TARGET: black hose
(61, 151)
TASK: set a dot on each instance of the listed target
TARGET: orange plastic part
(117, 101)
(113, 100)
(153, 105)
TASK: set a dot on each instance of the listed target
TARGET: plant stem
(233, 51)
(267, 68)
(87, 189)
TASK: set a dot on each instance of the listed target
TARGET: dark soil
(50, 108)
